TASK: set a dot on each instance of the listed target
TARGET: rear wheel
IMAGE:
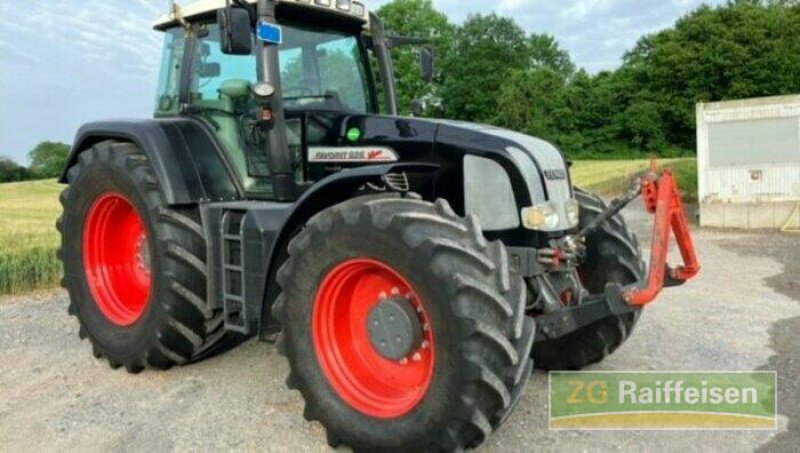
(402, 326)
(612, 256)
(135, 269)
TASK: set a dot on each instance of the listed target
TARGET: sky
(68, 62)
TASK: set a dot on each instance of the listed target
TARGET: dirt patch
(785, 334)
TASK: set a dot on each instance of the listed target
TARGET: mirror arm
(249, 8)
(228, 20)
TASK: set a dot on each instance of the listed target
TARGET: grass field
(612, 177)
(28, 238)
(28, 212)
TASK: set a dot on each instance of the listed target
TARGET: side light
(343, 5)
(573, 212)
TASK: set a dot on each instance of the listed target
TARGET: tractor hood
(542, 165)
(538, 170)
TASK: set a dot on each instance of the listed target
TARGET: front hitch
(662, 198)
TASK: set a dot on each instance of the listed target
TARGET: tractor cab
(270, 90)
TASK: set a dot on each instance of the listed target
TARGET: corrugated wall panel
(735, 180)
(752, 183)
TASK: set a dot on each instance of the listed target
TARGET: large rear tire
(612, 256)
(472, 362)
(135, 269)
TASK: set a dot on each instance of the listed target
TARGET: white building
(749, 162)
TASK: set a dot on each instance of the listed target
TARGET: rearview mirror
(428, 64)
(236, 31)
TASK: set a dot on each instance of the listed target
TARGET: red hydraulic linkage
(662, 198)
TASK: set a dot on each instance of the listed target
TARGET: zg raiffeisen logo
(663, 400)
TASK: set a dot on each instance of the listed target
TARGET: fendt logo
(555, 175)
(351, 154)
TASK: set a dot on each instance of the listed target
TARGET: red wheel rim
(116, 258)
(367, 381)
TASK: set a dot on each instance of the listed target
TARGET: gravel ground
(742, 313)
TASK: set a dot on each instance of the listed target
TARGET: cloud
(596, 32)
(580, 9)
(512, 5)
(11, 55)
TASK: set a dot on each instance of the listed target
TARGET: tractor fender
(330, 191)
(186, 157)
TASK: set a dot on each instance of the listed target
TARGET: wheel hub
(360, 310)
(394, 328)
(116, 256)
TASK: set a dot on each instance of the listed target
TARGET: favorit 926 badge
(352, 154)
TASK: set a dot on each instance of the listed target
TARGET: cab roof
(356, 10)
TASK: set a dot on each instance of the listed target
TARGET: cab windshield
(320, 69)
(323, 69)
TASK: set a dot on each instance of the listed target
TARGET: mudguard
(185, 155)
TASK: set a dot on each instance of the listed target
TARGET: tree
(11, 171)
(414, 18)
(486, 51)
(48, 159)
(493, 72)
(745, 48)
(547, 54)
(532, 101)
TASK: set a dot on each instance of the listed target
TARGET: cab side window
(170, 73)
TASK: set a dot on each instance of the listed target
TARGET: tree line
(492, 71)
(47, 161)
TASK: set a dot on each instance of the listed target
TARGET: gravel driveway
(742, 313)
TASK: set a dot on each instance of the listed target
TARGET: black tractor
(400, 264)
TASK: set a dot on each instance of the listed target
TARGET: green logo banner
(663, 400)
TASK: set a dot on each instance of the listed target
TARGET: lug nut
(395, 291)
(416, 357)
(404, 361)
(382, 296)
(426, 344)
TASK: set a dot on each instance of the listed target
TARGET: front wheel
(403, 328)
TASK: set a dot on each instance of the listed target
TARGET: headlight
(542, 218)
(573, 212)
(552, 216)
